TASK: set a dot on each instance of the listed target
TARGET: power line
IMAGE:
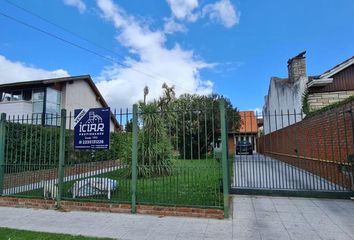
(82, 38)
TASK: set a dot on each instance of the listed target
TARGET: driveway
(254, 217)
(259, 171)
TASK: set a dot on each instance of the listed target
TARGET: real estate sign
(91, 128)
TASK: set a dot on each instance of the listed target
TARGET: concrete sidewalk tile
(262, 207)
(190, 235)
(221, 229)
(244, 214)
(135, 234)
(286, 208)
(268, 217)
(306, 202)
(291, 217)
(162, 236)
(246, 233)
(243, 207)
(274, 234)
(198, 228)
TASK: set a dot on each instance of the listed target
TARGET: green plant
(154, 151)
(305, 103)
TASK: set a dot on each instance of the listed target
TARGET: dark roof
(44, 82)
(349, 59)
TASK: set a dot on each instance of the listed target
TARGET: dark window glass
(17, 95)
(27, 95)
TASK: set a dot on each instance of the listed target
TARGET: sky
(229, 47)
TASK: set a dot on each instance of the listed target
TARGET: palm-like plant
(154, 149)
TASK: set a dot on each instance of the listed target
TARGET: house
(285, 94)
(248, 131)
(40, 100)
(332, 86)
(287, 97)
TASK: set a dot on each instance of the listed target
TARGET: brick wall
(231, 144)
(112, 207)
(319, 144)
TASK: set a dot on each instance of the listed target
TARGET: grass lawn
(193, 183)
(14, 234)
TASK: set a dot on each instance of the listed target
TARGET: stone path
(254, 217)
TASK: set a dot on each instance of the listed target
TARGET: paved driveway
(253, 218)
(258, 171)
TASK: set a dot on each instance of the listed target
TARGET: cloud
(183, 9)
(222, 12)
(17, 71)
(79, 4)
(258, 111)
(171, 26)
(189, 10)
(123, 86)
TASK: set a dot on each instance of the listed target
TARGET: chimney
(297, 67)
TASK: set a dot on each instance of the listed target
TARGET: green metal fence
(157, 156)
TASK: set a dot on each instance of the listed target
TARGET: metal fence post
(61, 155)
(2, 151)
(134, 157)
(225, 157)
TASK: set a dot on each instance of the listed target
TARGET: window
(38, 95)
(27, 94)
(38, 107)
(53, 96)
(16, 95)
(52, 107)
(38, 101)
(6, 97)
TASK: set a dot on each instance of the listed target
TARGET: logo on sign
(92, 128)
(93, 124)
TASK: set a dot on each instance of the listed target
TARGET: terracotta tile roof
(248, 122)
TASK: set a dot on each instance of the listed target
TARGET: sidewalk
(253, 218)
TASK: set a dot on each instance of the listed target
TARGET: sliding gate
(289, 154)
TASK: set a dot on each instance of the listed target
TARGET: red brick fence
(319, 144)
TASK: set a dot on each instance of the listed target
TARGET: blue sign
(91, 127)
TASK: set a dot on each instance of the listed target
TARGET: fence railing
(293, 151)
(160, 157)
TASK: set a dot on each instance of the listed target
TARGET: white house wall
(283, 96)
(16, 109)
(77, 95)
